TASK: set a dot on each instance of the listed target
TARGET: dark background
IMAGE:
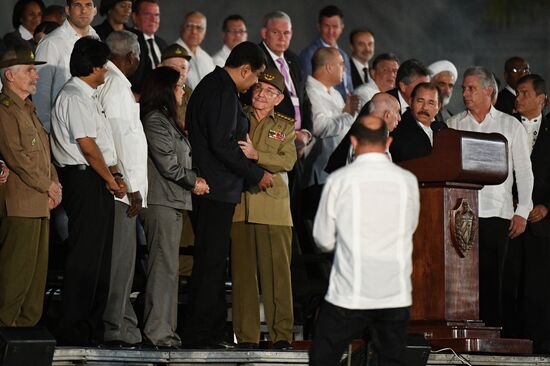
(466, 32)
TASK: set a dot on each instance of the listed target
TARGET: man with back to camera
(367, 216)
(216, 123)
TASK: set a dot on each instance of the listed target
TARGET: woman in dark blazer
(26, 16)
(171, 181)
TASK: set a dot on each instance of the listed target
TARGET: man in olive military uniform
(262, 231)
(177, 57)
(29, 194)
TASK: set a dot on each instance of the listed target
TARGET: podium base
(470, 336)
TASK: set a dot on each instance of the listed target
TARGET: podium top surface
(463, 157)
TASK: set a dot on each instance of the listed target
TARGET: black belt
(76, 167)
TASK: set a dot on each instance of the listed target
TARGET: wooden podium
(445, 256)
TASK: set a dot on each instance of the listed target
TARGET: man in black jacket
(146, 18)
(413, 137)
(216, 123)
(526, 291)
(514, 69)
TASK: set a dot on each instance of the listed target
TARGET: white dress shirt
(158, 51)
(368, 213)
(122, 112)
(221, 56)
(496, 200)
(330, 125)
(360, 66)
(365, 92)
(404, 105)
(428, 131)
(77, 114)
(201, 64)
(55, 49)
(532, 127)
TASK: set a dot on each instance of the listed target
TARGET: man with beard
(444, 75)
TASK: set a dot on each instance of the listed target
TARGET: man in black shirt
(216, 123)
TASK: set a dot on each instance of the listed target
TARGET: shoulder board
(5, 100)
(284, 117)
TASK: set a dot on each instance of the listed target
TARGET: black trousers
(206, 316)
(493, 245)
(90, 209)
(337, 327)
(535, 304)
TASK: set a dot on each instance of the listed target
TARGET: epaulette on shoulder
(5, 100)
(285, 117)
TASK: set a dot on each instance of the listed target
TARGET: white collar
(24, 32)
(535, 120)
(510, 89)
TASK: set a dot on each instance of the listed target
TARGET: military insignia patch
(280, 136)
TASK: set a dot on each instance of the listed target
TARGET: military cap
(18, 55)
(273, 77)
(174, 50)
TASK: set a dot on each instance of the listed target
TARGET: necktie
(290, 87)
(366, 74)
(153, 52)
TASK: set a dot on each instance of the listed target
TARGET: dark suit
(526, 289)
(339, 156)
(506, 101)
(145, 65)
(298, 79)
(356, 75)
(216, 122)
(409, 139)
(14, 39)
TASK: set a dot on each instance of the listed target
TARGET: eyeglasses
(522, 70)
(266, 91)
(236, 31)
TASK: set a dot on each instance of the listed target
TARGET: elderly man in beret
(177, 57)
(28, 196)
(262, 233)
(444, 75)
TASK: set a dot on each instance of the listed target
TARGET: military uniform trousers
(23, 269)
(120, 320)
(265, 249)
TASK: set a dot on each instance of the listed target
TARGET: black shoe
(218, 345)
(282, 346)
(157, 347)
(247, 345)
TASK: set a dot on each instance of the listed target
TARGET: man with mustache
(414, 136)
(27, 197)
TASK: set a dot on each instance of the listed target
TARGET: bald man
(381, 214)
(382, 105)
